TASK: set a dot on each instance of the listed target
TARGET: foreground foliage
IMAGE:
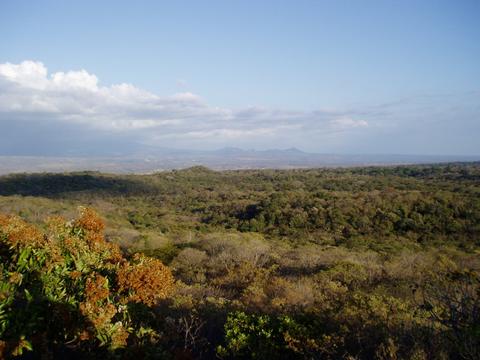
(67, 291)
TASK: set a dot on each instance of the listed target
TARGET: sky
(352, 77)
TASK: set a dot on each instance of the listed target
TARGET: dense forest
(348, 263)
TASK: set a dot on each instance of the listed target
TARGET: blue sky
(325, 76)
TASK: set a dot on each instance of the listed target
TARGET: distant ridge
(153, 159)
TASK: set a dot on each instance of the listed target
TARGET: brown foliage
(147, 280)
(92, 224)
(20, 233)
(96, 289)
(90, 221)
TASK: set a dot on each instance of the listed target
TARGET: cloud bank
(74, 104)
(72, 113)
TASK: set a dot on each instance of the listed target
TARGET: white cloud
(28, 91)
(29, 74)
(348, 123)
(74, 80)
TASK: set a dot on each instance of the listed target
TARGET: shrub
(66, 290)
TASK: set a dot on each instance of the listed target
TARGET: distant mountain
(144, 159)
(233, 151)
(230, 151)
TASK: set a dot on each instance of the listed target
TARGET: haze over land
(222, 159)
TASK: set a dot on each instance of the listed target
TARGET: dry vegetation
(356, 264)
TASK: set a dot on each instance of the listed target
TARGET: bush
(68, 291)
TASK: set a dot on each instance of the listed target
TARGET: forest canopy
(374, 262)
